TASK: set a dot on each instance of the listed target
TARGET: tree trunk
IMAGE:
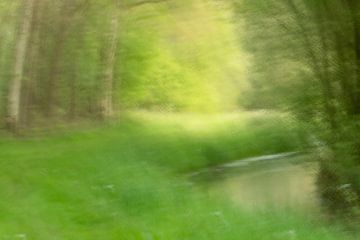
(357, 53)
(19, 61)
(73, 95)
(55, 66)
(354, 7)
(109, 64)
(29, 86)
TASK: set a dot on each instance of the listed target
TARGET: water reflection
(284, 183)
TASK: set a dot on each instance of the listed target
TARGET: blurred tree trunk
(346, 83)
(55, 62)
(29, 87)
(354, 7)
(109, 64)
(73, 94)
(66, 16)
(14, 98)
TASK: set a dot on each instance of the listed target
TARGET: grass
(197, 141)
(123, 181)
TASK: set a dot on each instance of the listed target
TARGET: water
(277, 182)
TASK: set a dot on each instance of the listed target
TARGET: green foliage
(306, 59)
(170, 61)
(216, 139)
(175, 56)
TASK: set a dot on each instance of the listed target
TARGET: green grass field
(125, 181)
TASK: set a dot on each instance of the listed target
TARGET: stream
(276, 181)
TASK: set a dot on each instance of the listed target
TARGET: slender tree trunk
(357, 53)
(73, 95)
(354, 8)
(19, 61)
(347, 90)
(110, 59)
(67, 14)
(55, 66)
(327, 76)
(29, 85)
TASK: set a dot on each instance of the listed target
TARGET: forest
(180, 119)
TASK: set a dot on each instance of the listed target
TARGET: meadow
(127, 180)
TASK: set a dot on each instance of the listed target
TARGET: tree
(20, 54)
(109, 63)
(317, 45)
(31, 70)
(78, 59)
